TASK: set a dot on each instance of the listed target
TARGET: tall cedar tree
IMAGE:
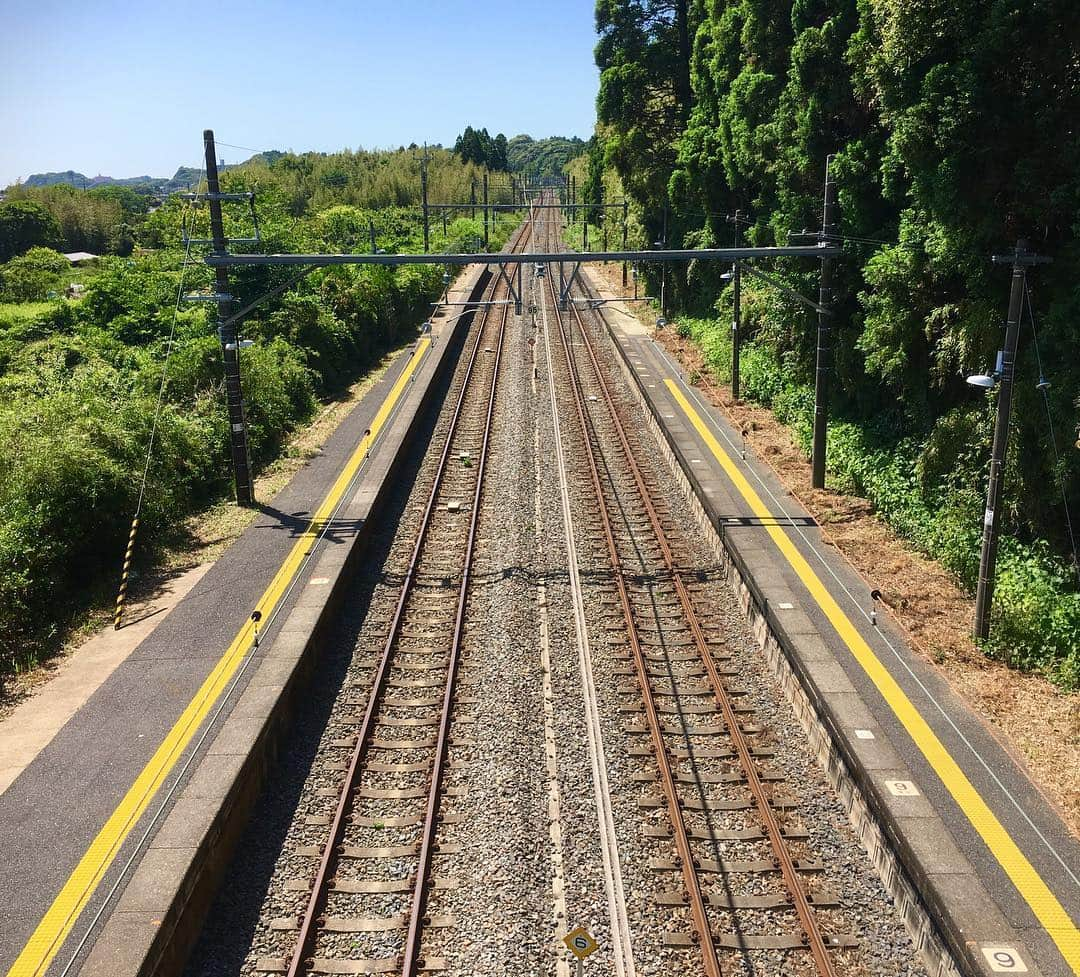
(953, 124)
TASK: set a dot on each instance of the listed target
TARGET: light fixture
(661, 322)
(425, 327)
(446, 278)
(242, 344)
(988, 380)
(1043, 385)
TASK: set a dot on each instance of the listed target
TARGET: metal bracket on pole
(566, 285)
(215, 199)
(515, 289)
(789, 292)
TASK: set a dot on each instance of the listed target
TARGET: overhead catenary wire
(1044, 389)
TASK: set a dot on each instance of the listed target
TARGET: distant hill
(74, 179)
(184, 178)
(543, 158)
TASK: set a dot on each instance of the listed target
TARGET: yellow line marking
(1044, 904)
(57, 923)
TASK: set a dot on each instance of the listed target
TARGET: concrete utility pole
(472, 198)
(238, 435)
(1021, 259)
(371, 231)
(824, 347)
(625, 231)
(424, 200)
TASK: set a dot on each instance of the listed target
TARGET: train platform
(112, 823)
(954, 824)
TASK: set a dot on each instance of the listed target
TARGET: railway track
(366, 911)
(553, 717)
(743, 883)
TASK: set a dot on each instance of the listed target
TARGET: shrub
(30, 277)
(929, 492)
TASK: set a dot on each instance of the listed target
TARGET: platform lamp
(986, 381)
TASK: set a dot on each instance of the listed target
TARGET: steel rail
(807, 917)
(412, 961)
(696, 899)
(300, 959)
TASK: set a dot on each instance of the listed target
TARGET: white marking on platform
(902, 788)
(319, 580)
(785, 606)
(1004, 960)
(864, 734)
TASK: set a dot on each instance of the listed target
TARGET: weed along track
(543, 709)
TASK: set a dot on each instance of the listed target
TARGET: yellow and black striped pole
(122, 595)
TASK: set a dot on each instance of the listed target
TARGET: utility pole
(603, 220)
(472, 198)
(371, 231)
(663, 269)
(736, 311)
(423, 197)
(824, 347)
(625, 222)
(485, 210)
(1021, 259)
(230, 347)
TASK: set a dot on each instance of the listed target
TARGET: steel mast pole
(824, 338)
(485, 210)
(424, 199)
(736, 311)
(230, 349)
(984, 594)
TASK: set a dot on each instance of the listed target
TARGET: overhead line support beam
(219, 260)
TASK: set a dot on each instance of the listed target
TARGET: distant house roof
(76, 256)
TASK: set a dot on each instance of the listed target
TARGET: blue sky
(126, 88)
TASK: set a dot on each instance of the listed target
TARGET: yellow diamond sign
(580, 943)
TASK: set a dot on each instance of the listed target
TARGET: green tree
(24, 225)
(499, 159)
(645, 94)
